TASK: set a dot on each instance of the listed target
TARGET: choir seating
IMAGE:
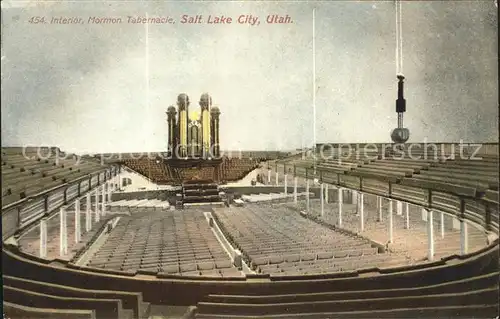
(156, 170)
(233, 169)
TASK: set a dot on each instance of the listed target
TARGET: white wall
(139, 182)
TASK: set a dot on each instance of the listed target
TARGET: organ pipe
(183, 104)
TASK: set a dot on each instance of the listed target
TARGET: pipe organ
(183, 105)
(194, 135)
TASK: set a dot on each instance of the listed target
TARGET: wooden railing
(423, 194)
(23, 213)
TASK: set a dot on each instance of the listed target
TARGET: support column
(407, 216)
(96, 205)
(63, 234)
(430, 236)
(77, 221)
(118, 182)
(379, 206)
(391, 226)
(108, 187)
(103, 202)
(340, 202)
(326, 193)
(361, 212)
(322, 199)
(354, 197)
(424, 214)
(399, 208)
(269, 176)
(286, 184)
(464, 237)
(295, 189)
(110, 191)
(43, 237)
(88, 216)
(277, 178)
(442, 225)
(307, 195)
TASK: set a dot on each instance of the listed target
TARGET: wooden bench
(12, 311)
(104, 308)
(130, 300)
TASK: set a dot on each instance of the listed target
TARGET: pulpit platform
(200, 192)
(193, 162)
(195, 169)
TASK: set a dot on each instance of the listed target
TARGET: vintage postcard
(250, 159)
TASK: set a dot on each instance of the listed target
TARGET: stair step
(485, 281)
(12, 310)
(146, 307)
(485, 296)
(106, 308)
(471, 311)
(126, 314)
(129, 300)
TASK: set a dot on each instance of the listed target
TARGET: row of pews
(28, 174)
(233, 169)
(157, 171)
(27, 298)
(278, 241)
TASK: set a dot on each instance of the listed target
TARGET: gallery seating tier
(30, 172)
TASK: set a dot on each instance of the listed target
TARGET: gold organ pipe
(183, 129)
(206, 130)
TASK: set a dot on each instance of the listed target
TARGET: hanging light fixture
(400, 134)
